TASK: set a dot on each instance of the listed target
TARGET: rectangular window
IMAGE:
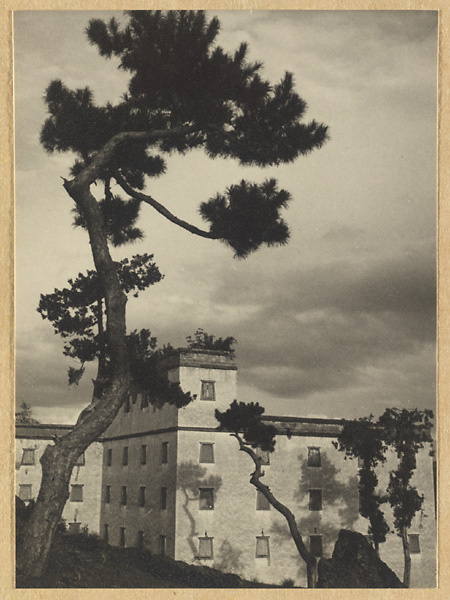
(141, 496)
(140, 539)
(76, 493)
(206, 501)
(143, 454)
(28, 457)
(205, 547)
(25, 492)
(414, 543)
(74, 527)
(264, 455)
(163, 499)
(122, 537)
(162, 545)
(106, 532)
(316, 545)
(208, 391)
(314, 459)
(81, 460)
(127, 405)
(315, 499)
(165, 453)
(206, 453)
(261, 501)
(262, 546)
(123, 495)
(125, 456)
(107, 494)
(109, 457)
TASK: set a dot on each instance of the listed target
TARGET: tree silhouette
(245, 424)
(184, 92)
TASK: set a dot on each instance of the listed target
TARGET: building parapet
(199, 358)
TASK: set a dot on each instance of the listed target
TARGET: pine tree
(184, 92)
(364, 440)
(244, 423)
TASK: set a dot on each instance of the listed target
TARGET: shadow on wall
(190, 478)
(340, 508)
(229, 559)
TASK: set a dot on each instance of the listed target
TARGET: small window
(264, 455)
(76, 494)
(74, 527)
(208, 392)
(163, 499)
(109, 457)
(165, 453)
(125, 456)
(206, 499)
(314, 459)
(162, 545)
(206, 453)
(141, 496)
(107, 494)
(261, 501)
(25, 492)
(316, 545)
(127, 405)
(262, 546)
(414, 543)
(140, 539)
(205, 547)
(143, 454)
(122, 537)
(123, 495)
(28, 457)
(81, 460)
(315, 499)
(106, 532)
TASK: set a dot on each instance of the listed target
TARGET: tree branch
(103, 156)
(162, 209)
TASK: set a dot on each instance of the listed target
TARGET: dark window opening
(109, 457)
(205, 547)
(107, 494)
(206, 501)
(106, 532)
(141, 496)
(165, 453)
(123, 495)
(74, 527)
(28, 458)
(261, 501)
(316, 545)
(122, 537)
(143, 454)
(125, 456)
(262, 546)
(315, 499)
(206, 453)
(162, 545)
(163, 499)
(414, 543)
(76, 494)
(208, 391)
(314, 459)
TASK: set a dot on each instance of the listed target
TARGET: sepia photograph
(225, 298)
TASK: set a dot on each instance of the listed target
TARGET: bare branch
(162, 209)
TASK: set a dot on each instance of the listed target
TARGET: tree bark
(407, 558)
(310, 560)
(58, 460)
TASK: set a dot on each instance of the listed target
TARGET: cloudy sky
(341, 321)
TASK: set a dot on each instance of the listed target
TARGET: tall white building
(173, 483)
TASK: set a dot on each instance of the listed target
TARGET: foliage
(365, 440)
(406, 432)
(245, 419)
(24, 416)
(203, 340)
(184, 84)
